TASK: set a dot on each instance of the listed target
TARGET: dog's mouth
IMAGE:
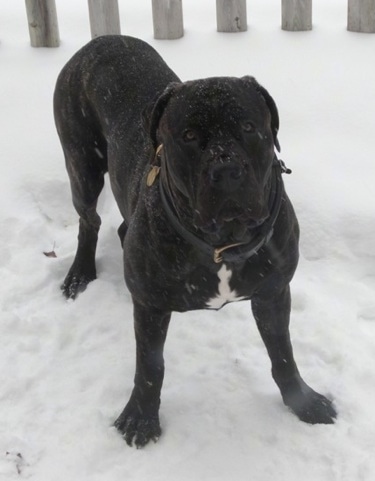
(231, 224)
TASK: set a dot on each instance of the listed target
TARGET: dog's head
(218, 138)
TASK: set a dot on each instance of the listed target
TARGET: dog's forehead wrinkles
(216, 103)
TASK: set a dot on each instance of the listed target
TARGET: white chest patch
(224, 292)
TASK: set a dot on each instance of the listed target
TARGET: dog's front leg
(272, 317)
(139, 421)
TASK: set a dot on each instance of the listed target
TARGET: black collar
(240, 251)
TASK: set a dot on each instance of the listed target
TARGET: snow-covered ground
(67, 367)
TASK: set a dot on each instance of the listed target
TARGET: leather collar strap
(238, 252)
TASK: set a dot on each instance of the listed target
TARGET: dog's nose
(226, 176)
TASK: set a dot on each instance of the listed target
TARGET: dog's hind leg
(86, 163)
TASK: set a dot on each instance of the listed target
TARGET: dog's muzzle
(236, 252)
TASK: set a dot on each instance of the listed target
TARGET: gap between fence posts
(104, 18)
(42, 20)
(231, 15)
(361, 16)
(167, 19)
(296, 15)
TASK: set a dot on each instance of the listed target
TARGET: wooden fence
(231, 16)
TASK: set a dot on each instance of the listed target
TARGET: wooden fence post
(104, 18)
(42, 20)
(296, 15)
(231, 15)
(361, 16)
(168, 19)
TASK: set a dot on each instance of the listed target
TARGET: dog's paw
(137, 429)
(75, 284)
(311, 407)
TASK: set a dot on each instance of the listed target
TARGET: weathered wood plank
(168, 19)
(361, 16)
(104, 17)
(296, 15)
(231, 15)
(43, 25)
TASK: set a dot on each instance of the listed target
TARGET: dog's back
(112, 72)
(99, 99)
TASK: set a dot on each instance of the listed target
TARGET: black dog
(206, 217)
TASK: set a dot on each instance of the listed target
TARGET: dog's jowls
(193, 169)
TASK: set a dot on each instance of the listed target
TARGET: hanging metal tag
(152, 175)
(155, 169)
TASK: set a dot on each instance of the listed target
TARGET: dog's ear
(152, 114)
(271, 107)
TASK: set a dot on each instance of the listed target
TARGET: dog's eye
(189, 135)
(248, 127)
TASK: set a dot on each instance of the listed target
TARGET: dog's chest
(224, 293)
